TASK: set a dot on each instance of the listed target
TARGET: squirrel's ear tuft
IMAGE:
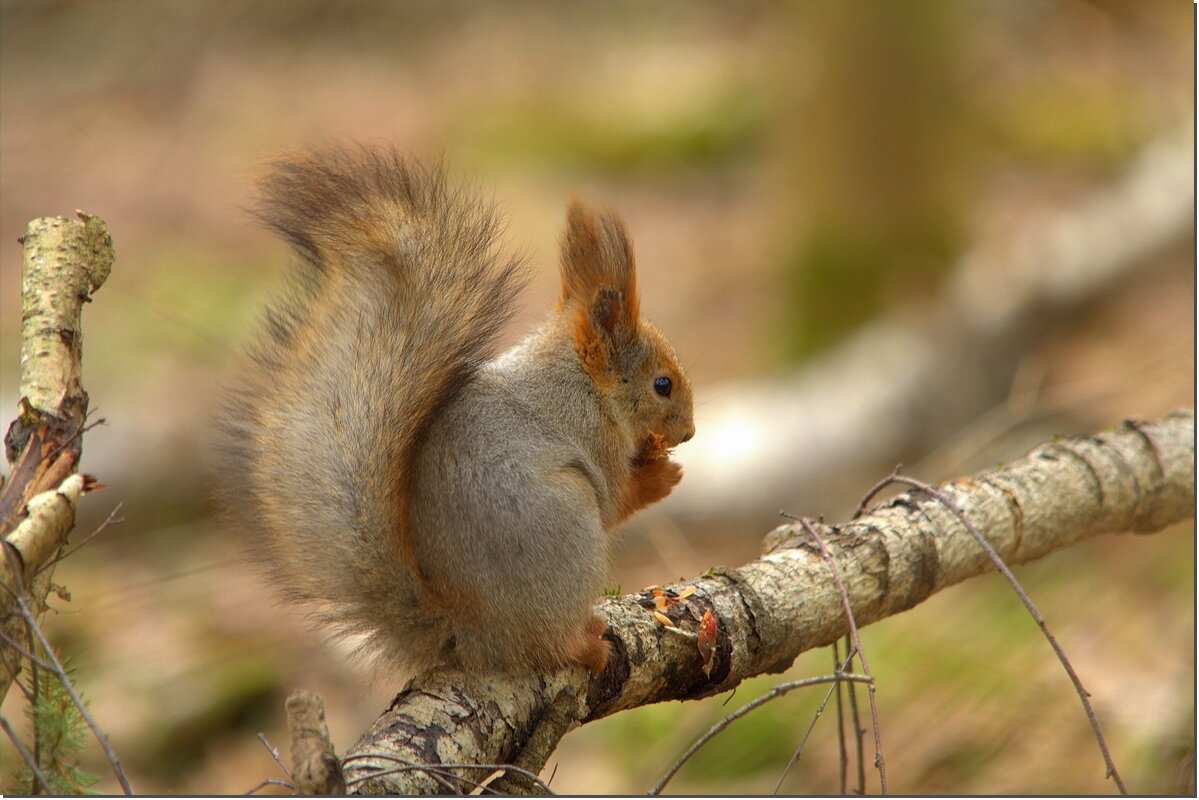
(598, 271)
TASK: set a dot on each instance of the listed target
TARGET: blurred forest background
(791, 172)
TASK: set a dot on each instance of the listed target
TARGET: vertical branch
(842, 753)
(858, 731)
(63, 678)
(65, 262)
(39, 777)
(836, 687)
(879, 762)
(34, 691)
(32, 543)
(314, 766)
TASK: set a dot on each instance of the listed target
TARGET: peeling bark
(65, 261)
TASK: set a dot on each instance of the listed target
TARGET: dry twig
(29, 759)
(274, 751)
(778, 691)
(842, 752)
(442, 771)
(835, 688)
(111, 519)
(858, 731)
(59, 672)
(857, 649)
(265, 782)
(315, 769)
(1083, 695)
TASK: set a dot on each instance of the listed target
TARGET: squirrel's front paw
(672, 473)
(653, 475)
(653, 448)
(656, 478)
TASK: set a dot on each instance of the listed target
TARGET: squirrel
(443, 505)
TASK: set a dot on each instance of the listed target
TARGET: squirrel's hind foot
(587, 648)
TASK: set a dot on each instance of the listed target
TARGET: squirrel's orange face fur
(623, 353)
(656, 388)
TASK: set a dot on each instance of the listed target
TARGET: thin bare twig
(1083, 695)
(840, 670)
(443, 777)
(858, 730)
(482, 786)
(57, 451)
(875, 489)
(34, 696)
(842, 754)
(265, 782)
(61, 673)
(535, 778)
(408, 766)
(777, 691)
(270, 748)
(26, 757)
(21, 651)
(879, 761)
(110, 520)
(12, 677)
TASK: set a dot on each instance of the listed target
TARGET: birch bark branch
(1138, 477)
(65, 261)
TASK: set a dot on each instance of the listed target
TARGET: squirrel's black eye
(662, 386)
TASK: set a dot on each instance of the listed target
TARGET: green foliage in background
(716, 128)
(877, 150)
(840, 277)
(902, 126)
(241, 694)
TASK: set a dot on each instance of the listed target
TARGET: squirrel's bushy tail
(398, 299)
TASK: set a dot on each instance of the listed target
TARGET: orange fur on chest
(652, 477)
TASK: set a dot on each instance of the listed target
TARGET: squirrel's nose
(690, 432)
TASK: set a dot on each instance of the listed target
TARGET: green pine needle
(60, 733)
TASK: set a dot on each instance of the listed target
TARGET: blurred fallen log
(901, 386)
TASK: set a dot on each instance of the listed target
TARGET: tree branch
(1138, 477)
(315, 769)
(65, 261)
